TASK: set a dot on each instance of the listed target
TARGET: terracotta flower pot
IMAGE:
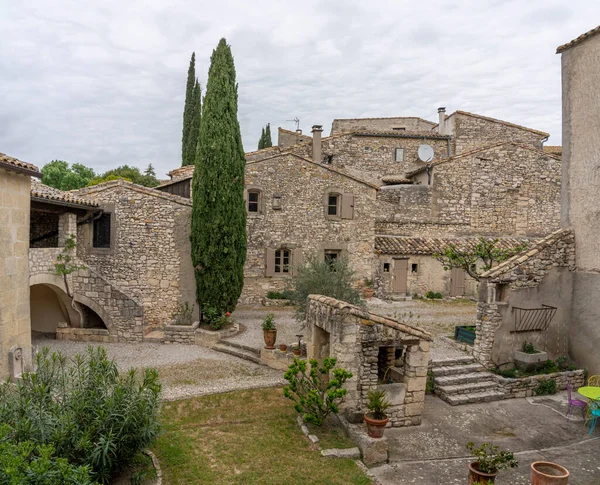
(297, 352)
(283, 347)
(270, 337)
(476, 477)
(368, 292)
(547, 473)
(375, 427)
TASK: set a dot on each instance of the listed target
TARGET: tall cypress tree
(192, 141)
(261, 141)
(268, 143)
(218, 233)
(188, 110)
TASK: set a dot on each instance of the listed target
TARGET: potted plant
(547, 473)
(376, 418)
(269, 331)
(283, 347)
(297, 350)
(368, 288)
(490, 460)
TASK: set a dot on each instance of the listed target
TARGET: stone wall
(149, 258)
(405, 203)
(390, 227)
(528, 280)
(41, 224)
(15, 322)
(354, 337)
(409, 123)
(286, 138)
(525, 386)
(180, 334)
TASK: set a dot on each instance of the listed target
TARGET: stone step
(238, 352)
(475, 397)
(154, 336)
(458, 379)
(454, 361)
(467, 388)
(457, 369)
(247, 348)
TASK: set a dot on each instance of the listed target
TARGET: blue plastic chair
(595, 414)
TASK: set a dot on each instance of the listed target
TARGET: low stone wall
(180, 334)
(209, 338)
(525, 386)
(85, 335)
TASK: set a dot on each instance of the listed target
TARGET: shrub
(432, 295)
(333, 279)
(545, 388)
(377, 404)
(215, 319)
(26, 463)
(549, 367)
(430, 384)
(184, 314)
(508, 373)
(276, 295)
(490, 459)
(315, 396)
(268, 322)
(529, 348)
(84, 409)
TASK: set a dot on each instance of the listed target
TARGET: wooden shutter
(348, 206)
(261, 203)
(270, 263)
(296, 259)
(246, 199)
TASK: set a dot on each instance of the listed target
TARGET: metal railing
(533, 319)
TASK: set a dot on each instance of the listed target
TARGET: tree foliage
(188, 109)
(218, 233)
(194, 133)
(126, 172)
(333, 279)
(315, 395)
(265, 138)
(60, 175)
(477, 259)
(89, 413)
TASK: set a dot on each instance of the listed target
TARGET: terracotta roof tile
(578, 40)
(10, 162)
(182, 170)
(395, 180)
(389, 118)
(432, 245)
(42, 191)
(400, 134)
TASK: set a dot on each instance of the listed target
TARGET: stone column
(67, 225)
(415, 378)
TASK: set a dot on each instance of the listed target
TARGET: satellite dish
(425, 153)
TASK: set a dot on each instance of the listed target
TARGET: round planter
(375, 427)
(297, 352)
(547, 473)
(368, 292)
(283, 347)
(476, 477)
(270, 337)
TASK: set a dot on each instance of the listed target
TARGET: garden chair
(595, 414)
(574, 403)
(594, 381)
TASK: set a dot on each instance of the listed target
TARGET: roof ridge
(496, 120)
(387, 118)
(15, 164)
(279, 128)
(578, 40)
(40, 190)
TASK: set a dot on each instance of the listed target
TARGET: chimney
(316, 143)
(298, 132)
(442, 122)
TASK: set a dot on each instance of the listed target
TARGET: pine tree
(188, 110)
(268, 143)
(192, 142)
(150, 171)
(218, 233)
(261, 141)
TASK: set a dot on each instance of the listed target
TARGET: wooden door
(457, 282)
(399, 277)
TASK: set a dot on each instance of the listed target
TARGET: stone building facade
(15, 319)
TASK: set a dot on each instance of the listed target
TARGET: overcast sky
(102, 82)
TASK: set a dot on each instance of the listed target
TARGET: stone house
(15, 316)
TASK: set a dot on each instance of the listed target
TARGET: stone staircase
(239, 350)
(462, 380)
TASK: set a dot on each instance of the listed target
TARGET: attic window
(399, 128)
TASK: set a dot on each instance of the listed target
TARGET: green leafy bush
(508, 373)
(216, 320)
(268, 322)
(84, 409)
(327, 278)
(491, 459)
(26, 463)
(276, 295)
(377, 404)
(529, 348)
(545, 388)
(430, 384)
(315, 396)
(432, 295)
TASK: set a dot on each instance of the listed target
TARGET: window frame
(258, 202)
(338, 205)
(106, 216)
(281, 254)
(396, 151)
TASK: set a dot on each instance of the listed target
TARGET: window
(331, 256)
(333, 205)
(329, 159)
(386, 267)
(253, 201)
(414, 268)
(367, 149)
(398, 128)
(101, 232)
(283, 260)
(399, 155)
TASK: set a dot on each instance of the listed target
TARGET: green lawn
(245, 437)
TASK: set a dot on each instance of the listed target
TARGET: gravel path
(251, 318)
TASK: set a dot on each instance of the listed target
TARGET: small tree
(64, 266)
(467, 258)
(268, 143)
(333, 279)
(261, 140)
(315, 396)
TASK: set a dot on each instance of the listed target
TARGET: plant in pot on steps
(368, 288)
(375, 418)
(269, 331)
(490, 461)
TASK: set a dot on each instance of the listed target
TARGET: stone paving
(534, 429)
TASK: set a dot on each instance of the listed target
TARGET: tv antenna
(297, 121)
